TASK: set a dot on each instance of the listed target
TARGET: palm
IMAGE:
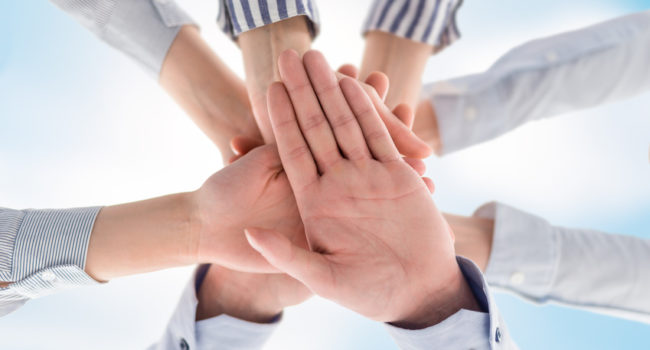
(378, 244)
(345, 216)
(260, 197)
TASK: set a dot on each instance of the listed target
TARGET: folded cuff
(524, 253)
(238, 16)
(430, 22)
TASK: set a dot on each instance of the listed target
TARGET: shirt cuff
(467, 111)
(222, 332)
(238, 16)
(43, 251)
(463, 330)
(143, 29)
(430, 22)
(524, 253)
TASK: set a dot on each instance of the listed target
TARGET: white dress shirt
(587, 269)
(543, 78)
(464, 330)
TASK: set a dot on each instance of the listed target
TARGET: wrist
(261, 48)
(440, 304)
(228, 292)
(425, 125)
(402, 60)
(474, 238)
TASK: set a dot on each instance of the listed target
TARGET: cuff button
(183, 344)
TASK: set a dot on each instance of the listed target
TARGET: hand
(378, 244)
(247, 296)
(253, 191)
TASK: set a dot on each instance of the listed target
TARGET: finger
(233, 159)
(346, 128)
(310, 268)
(376, 135)
(312, 121)
(379, 81)
(429, 183)
(349, 70)
(406, 141)
(296, 158)
(417, 165)
(241, 145)
(405, 114)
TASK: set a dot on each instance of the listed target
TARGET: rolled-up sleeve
(431, 22)
(42, 251)
(591, 270)
(238, 16)
(543, 78)
(142, 29)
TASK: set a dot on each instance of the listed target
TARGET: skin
(202, 226)
(260, 50)
(402, 60)
(212, 95)
(474, 237)
(356, 204)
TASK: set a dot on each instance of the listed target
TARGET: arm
(356, 206)
(400, 38)
(263, 29)
(539, 79)
(524, 254)
(42, 251)
(166, 43)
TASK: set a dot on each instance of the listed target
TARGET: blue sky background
(80, 124)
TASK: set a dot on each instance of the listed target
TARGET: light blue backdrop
(81, 125)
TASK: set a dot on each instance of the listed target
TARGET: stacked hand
(377, 243)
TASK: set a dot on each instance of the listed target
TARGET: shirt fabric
(41, 252)
(587, 269)
(142, 29)
(543, 78)
(428, 21)
(463, 330)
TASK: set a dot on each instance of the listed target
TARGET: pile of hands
(331, 207)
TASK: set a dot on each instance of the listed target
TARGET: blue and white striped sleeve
(431, 22)
(238, 16)
(42, 251)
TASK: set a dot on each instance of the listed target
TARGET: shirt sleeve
(465, 329)
(543, 78)
(42, 251)
(238, 16)
(431, 22)
(142, 29)
(600, 272)
(222, 332)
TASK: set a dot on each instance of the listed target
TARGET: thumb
(310, 268)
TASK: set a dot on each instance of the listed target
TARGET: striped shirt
(42, 251)
(428, 21)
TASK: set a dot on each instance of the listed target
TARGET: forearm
(260, 49)
(211, 94)
(402, 60)
(142, 236)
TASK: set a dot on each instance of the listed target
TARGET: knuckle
(313, 121)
